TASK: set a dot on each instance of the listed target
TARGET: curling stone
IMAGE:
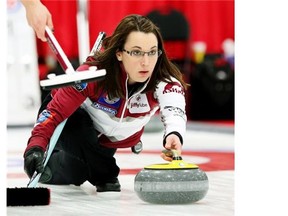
(176, 182)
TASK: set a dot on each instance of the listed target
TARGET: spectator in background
(38, 16)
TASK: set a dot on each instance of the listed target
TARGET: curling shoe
(113, 186)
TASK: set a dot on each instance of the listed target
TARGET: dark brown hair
(164, 68)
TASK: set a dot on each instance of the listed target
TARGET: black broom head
(28, 196)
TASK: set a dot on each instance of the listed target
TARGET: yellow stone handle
(172, 153)
(176, 163)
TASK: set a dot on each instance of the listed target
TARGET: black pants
(78, 155)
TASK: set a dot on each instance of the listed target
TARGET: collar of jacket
(124, 81)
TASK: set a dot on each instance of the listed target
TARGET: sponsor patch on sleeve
(173, 87)
(44, 115)
(80, 87)
(176, 111)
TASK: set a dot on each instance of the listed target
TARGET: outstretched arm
(172, 109)
(38, 16)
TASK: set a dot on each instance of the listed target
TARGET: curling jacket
(120, 121)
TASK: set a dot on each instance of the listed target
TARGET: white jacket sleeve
(172, 104)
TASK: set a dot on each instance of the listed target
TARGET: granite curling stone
(176, 182)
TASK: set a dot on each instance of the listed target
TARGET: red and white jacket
(120, 121)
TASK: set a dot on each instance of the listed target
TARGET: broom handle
(61, 56)
(36, 176)
(58, 51)
(98, 43)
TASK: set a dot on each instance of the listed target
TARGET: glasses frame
(142, 53)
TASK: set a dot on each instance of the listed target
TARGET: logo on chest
(106, 104)
(138, 104)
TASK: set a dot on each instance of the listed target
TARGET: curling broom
(33, 195)
(70, 77)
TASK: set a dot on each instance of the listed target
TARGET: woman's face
(138, 67)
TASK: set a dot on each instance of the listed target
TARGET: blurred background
(198, 36)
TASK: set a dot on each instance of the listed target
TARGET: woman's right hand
(33, 161)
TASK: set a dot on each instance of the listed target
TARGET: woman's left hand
(172, 142)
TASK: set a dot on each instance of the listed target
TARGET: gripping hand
(33, 161)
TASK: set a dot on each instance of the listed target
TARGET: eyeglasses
(139, 54)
